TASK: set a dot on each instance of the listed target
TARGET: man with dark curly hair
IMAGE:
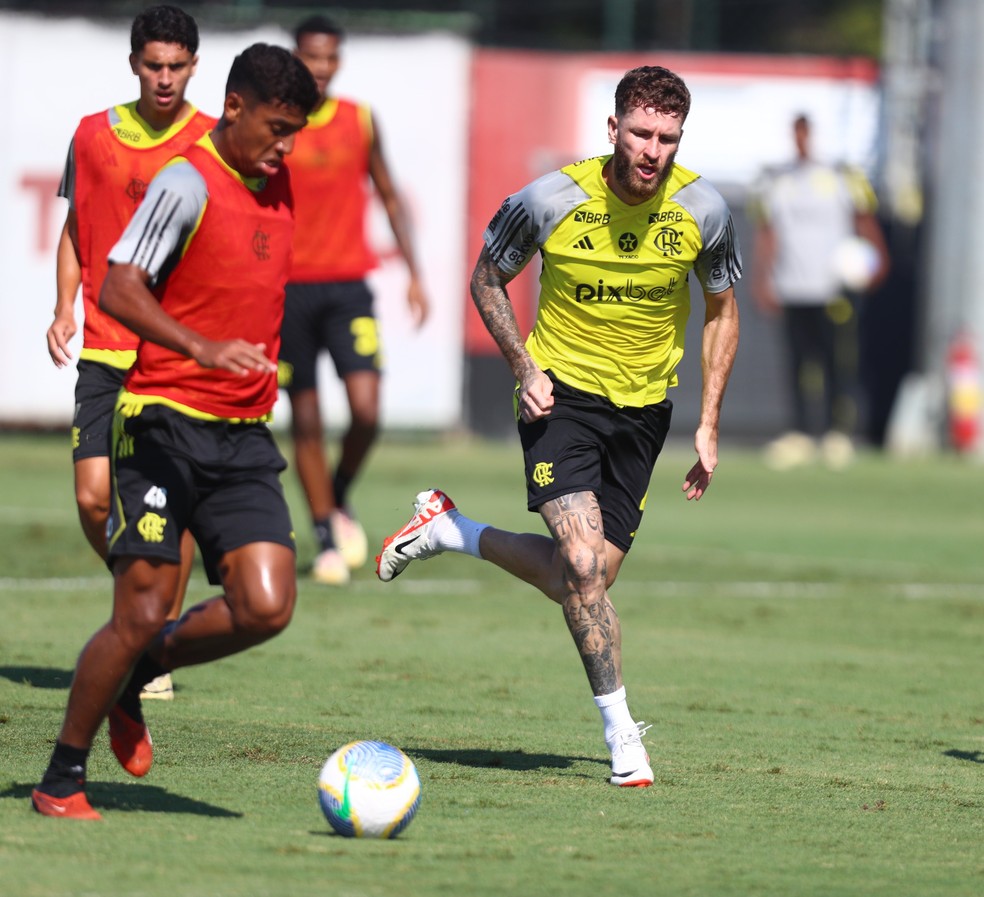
(618, 236)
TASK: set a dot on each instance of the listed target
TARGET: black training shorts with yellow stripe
(338, 317)
(173, 472)
(588, 444)
(96, 391)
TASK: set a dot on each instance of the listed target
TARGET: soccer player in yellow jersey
(113, 156)
(618, 236)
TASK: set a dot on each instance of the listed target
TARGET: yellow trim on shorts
(122, 359)
(130, 405)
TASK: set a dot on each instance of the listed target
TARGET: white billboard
(56, 70)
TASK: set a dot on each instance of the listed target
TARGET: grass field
(809, 646)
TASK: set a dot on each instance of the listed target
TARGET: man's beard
(629, 180)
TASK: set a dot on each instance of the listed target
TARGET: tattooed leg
(576, 525)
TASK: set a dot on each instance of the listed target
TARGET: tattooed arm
(488, 290)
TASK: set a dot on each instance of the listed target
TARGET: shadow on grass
(38, 677)
(133, 798)
(969, 756)
(485, 759)
(44, 677)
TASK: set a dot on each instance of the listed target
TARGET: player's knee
(93, 503)
(365, 420)
(266, 612)
(306, 429)
(305, 422)
(139, 620)
(366, 426)
(584, 569)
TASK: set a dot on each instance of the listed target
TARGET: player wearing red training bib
(114, 154)
(199, 276)
(329, 305)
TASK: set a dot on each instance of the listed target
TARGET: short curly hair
(273, 75)
(166, 24)
(652, 86)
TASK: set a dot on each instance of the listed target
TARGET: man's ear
(233, 106)
(612, 129)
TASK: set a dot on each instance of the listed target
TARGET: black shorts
(96, 392)
(587, 444)
(333, 316)
(172, 472)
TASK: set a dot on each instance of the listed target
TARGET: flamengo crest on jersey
(232, 252)
(614, 296)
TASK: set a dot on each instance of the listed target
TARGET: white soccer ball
(855, 263)
(369, 789)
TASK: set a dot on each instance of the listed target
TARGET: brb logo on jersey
(624, 292)
(669, 215)
(582, 216)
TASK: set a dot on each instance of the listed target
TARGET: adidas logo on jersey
(584, 243)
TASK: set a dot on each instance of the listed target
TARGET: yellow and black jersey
(614, 298)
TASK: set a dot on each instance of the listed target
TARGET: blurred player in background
(329, 305)
(618, 236)
(113, 156)
(810, 267)
(199, 275)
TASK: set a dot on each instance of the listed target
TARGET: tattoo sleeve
(488, 290)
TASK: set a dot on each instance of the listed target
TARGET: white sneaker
(837, 450)
(350, 538)
(330, 569)
(630, 762)
(159, 689)
(789, 451)
(416, 541)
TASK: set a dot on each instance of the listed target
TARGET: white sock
(456, 532)
(614, 713)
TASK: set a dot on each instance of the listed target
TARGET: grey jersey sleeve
(67, 186)
(156, 235)
(718, 265)
(526, 219)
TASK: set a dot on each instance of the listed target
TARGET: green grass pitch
(809, 647)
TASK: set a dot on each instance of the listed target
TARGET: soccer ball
(369, 789)
(855, 263)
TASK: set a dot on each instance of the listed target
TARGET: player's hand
(59, 333)
(417, 302)
(534, 396)
(236, 356)
(699, 476)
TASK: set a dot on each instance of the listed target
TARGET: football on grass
(369, 789)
